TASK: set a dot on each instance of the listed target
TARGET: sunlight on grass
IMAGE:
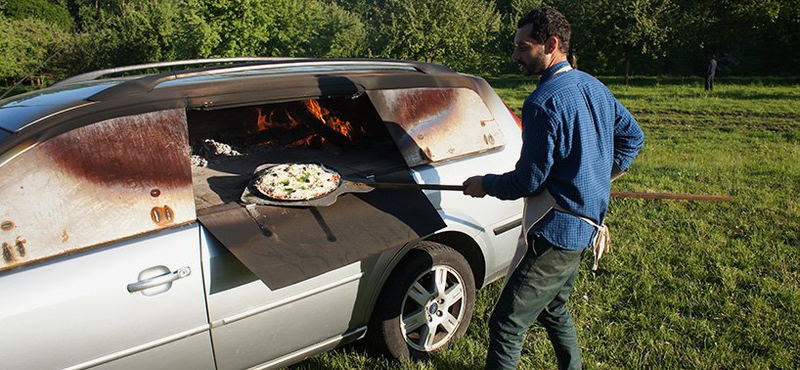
(688, 285)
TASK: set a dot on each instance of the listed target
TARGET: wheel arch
(461, 242)
(468, 248)
(399, 272)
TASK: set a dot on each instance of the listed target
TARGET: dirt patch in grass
(774, 123)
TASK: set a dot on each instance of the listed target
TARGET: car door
(254, 325)
(101, 251)
(80, 311)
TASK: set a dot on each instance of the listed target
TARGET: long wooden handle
(394, 185)
(630, 194)
(614, 194)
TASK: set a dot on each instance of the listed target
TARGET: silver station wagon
(133, 236)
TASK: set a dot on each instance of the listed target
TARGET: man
(711, 71)
(574, 132)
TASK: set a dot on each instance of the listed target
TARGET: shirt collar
(550, 72)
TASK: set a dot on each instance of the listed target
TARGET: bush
(456, 33)
(53, 14)
(28, 45)
(290, 28)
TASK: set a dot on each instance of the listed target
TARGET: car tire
(425, 305)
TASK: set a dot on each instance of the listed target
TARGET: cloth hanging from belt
(534, 210)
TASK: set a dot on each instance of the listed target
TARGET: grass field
(689, 285)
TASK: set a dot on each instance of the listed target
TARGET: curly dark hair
(548, 22)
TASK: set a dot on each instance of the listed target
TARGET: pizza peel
(251, 194)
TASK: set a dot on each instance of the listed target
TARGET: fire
(268, 120)
(343, 127)
(284, 118)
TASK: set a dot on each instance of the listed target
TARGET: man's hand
(474, 187)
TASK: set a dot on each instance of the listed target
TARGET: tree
(283, 28)
(28, 45)
(88, 13)
(758, 36)
(516, 9)
(146, 31)
(456, 33)
(628, 27)
(54, 14)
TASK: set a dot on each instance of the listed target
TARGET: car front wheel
(426, 303)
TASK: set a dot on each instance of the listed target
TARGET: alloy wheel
(433, 308)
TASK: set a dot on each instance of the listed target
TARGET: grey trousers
(537, 290)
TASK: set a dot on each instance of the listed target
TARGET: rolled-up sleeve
(628, 137)
(539, 135)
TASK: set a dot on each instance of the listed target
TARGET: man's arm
(536, 158)
(628, 137)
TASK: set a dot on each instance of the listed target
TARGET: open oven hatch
(343, 134)
(286, 245)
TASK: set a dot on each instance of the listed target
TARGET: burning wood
(317, 125)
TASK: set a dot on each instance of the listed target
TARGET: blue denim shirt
(573, 131)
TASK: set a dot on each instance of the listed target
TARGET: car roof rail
(95, 75)
(147, 83)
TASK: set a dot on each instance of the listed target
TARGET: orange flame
(261, 121)
(268, 120)
(276, 118)
(343, 127)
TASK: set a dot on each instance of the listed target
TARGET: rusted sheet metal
(283, 245)
(95, 184)
(436, 124)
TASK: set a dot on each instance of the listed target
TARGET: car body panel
(244, 316)
(437, 124)
(220, 316)
(98, 183)
(18, 112)
(79, 311)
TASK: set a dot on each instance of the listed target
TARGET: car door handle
(160, 280)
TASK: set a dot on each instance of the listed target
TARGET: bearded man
(575, 134)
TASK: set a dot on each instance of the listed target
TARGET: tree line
(51, 39)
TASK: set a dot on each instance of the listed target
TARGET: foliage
(145, 31)
(451, 32)
(287, 28)
(624, 28)
(27, 45)
(51, 13)
(644, 37)
(89, 13)
(759, 33)
(516, 9)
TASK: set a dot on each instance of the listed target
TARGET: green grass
(689, 285)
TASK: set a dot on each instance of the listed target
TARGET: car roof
(22, 110)
(25, 110)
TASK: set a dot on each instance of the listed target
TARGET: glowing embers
(305, 123)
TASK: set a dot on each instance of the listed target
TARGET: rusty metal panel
(98, 183)
(436, 124)
(285, 245)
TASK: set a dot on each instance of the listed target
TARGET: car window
(437, 124)
(98, 183)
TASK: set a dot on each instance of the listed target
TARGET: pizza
(297, 181)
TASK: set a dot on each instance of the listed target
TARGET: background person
(574, 133)
(711, 71)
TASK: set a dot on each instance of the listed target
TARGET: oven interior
(343, 133)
